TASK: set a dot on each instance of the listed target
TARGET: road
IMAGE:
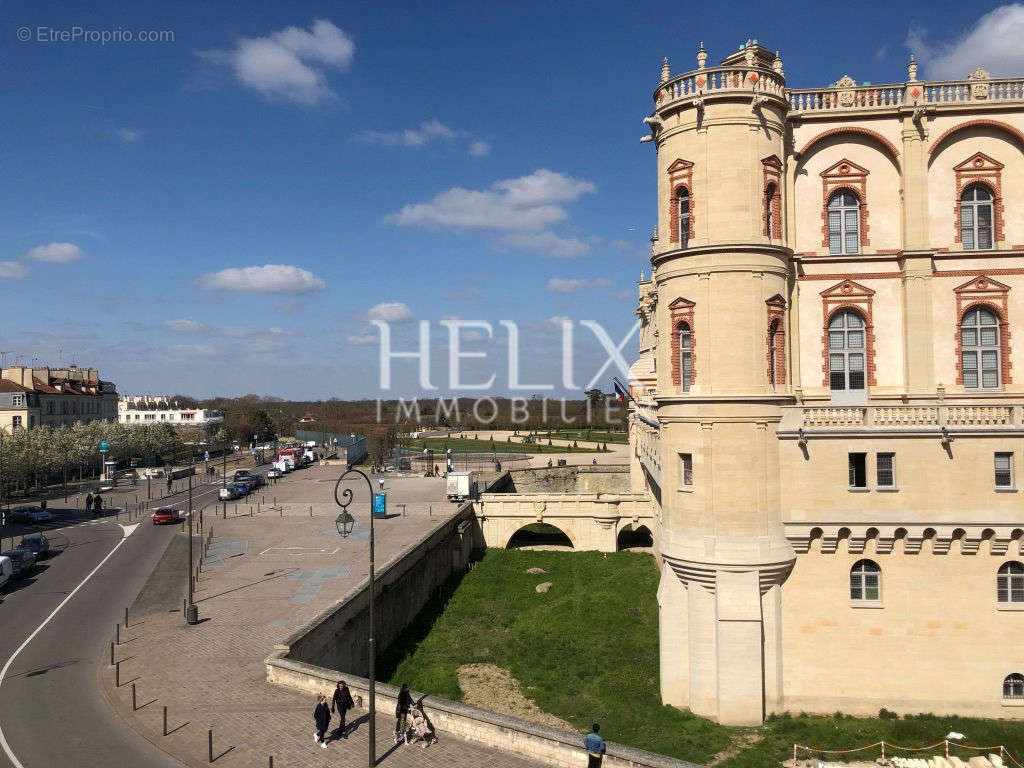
(52, 711)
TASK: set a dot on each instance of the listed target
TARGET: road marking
(127, 530)
(299, 551)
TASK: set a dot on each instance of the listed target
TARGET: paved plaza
(265, 576)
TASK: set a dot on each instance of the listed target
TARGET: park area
(483, 445)
(584, 647)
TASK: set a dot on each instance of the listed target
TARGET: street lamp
(344, 523)
(343, 497)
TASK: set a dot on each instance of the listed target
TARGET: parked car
(39, 544)
(234, 491)
(274, 474)
(30, 514)
(23, 561)
(6, 570)
(166, 515)
(246, 477)
(249, 483)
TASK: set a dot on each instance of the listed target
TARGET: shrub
(885, 714)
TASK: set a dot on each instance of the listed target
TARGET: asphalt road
(52, 711)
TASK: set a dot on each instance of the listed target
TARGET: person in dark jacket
(342, 703)
(322, 717)
(88, 502)
(402, 714)
(97, 505)
(594, 745)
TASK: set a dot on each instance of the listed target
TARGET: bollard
(117, 633)
(126, 617)
(111, 654)
(165, 721)
(430, 511)
(134, 700)
(310, 510)
(210, 734)
(117, 675)
(270, 763)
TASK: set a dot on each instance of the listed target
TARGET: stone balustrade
(721, 81)
(873, 97)
(953, 417)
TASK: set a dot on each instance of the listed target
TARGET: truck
(458, 488)
(289, 455)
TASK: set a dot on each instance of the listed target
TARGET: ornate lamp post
(344, 523)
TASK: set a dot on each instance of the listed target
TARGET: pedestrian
(169, 482)
(549, 463)
(342, 702)
(97, 505)
(402, 714)
(594, 745)
(322, 717)
(594, 462)
(88, 502)
(42, 505)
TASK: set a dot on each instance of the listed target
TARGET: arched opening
(539, 536)
(769, 212)
(980, 353)
(846, 351)
(865, 582)
(683, 198)
(774, 338)
(634, 538)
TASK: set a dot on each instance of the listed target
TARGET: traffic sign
(206, 456)
(103, 446)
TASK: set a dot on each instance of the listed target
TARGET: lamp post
(191, 610)
(344, 521)
(3, 477)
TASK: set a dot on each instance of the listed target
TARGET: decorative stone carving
(665, 72)
(702, 56)
(748, 55)
(979, 83)
(912, 69)
(845, 85)
(777, 65)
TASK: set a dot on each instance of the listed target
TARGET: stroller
(421, 729)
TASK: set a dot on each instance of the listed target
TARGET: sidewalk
(263, 577)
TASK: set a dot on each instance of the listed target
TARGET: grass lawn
(595, 436)
(483, 445)
(588, 650)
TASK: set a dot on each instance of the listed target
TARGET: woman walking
(322, 717)
(342, 702)
(402, 714)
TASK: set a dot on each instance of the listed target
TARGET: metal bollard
(111, 654)
(126, 617)
(134, 700)
(310, 510)
(270, 763)
(165, 721)
(210, 733)
(117, 633)
(117, 675)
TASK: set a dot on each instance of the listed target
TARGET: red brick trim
(845, 176)
(771, 169)
(776, 309)
(977, 124)
(859, 276)
(849, 295)
(981, 169)
(968, 273)
(985, 292)
(680, 176)
(893, 152)
(681, 311)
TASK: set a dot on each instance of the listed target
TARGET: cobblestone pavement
(264, 577)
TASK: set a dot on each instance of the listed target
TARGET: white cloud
(479, 148)
(526, 204)
(12, 270)
(626, 295)
(410, 137)
(55, 253)
(184, 325)
(571, 285)
(550, 244)
(390, 312)
(362, 339)
(994, 43)
(270, 278)
(289, 64)
(129, 135)
(193, 350)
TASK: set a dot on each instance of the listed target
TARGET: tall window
(1010, 583)
(857, 469)
(846, 351)
(979, 343)
(865, 581)
(1013, 686)
(16, 422)
(885, 470)
(976, 218)
(683, 196)
(843, 223)
(686, 468)
(1004, 470)
(685, 356)
(773, 351)
(769, 223)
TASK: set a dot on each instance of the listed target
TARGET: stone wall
(336, 639)
(572, 479)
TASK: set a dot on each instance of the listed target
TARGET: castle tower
(722, 282)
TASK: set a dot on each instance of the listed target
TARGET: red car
(166, 515)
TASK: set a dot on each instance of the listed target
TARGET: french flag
(620, 393)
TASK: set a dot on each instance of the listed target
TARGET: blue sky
(405, 161)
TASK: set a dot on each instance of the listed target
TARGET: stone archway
(639, 538)
(540, 535)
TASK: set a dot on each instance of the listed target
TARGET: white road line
(128, 530)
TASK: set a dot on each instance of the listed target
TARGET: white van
(6, 570)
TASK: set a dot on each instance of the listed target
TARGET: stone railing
(903, 416)
(721, 80)
(872, 97)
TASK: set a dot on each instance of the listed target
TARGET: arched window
(683, 196)
(846, 351)
(843, 223)
(1013, 686)
(979, 349)
(685, 356)
(1010, 583)
(769, 221)
(976, 218)
(774, 337)
(865, 581)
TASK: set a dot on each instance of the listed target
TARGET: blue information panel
(380, 505)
